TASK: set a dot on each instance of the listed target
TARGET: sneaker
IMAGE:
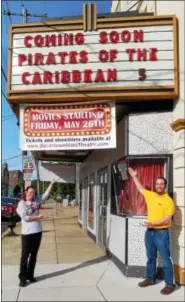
(146, 283)
(22, 283)
(168, 289)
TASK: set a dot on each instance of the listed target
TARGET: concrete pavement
(88, 281)
(71, 268)
(63, 240)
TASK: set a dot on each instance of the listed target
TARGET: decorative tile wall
(150, 133)
(136, 244)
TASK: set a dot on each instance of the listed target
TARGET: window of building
(125, 197)
(91, 201)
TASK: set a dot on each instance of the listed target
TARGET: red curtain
(91, 206)
(130, 200)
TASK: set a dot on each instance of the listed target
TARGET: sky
(10, 131)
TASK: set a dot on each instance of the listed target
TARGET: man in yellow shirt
(160, 209)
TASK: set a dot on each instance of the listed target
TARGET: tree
(54, 191)
(61, 189)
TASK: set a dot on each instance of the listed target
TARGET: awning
(49, 171)
(66, 156)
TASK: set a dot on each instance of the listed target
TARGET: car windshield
(7, 200)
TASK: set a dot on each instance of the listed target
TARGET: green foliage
(61, 189)
(54, 191)
(34, 183)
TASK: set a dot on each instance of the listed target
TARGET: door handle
(102, 211)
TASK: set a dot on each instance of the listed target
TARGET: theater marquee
(94, 58)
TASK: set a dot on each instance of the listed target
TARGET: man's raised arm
(133, 174)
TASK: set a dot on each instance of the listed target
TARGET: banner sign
(28, 167)
(67, 127)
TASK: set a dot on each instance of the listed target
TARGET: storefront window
(126, 199)
(91, 202)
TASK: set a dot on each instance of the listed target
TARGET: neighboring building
(15, 177)
(142, 6)
(4, 179)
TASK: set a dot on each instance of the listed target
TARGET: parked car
(8, 208)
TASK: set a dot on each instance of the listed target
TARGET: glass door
(85, 203)
(80, 202)
(102, 198)
(91, 216)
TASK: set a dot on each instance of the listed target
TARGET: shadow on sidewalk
(68, 270)
(47, 231)
(9, 235)
(43, 207)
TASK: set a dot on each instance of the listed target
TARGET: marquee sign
(67, 127)
(94, 58)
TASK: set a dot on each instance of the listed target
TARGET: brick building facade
(14, 178)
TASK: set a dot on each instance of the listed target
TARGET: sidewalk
(63, 240)
(71, 267)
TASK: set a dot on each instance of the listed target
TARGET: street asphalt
(4, 226)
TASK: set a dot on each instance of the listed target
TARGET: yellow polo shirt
(158, 206)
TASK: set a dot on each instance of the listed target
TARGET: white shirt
(26, 209)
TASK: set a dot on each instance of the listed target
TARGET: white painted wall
(101, 158)
(116, 239)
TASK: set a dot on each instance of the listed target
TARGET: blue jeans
(158, 240)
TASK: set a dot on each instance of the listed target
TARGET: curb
(7, 231)
(4, 233)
